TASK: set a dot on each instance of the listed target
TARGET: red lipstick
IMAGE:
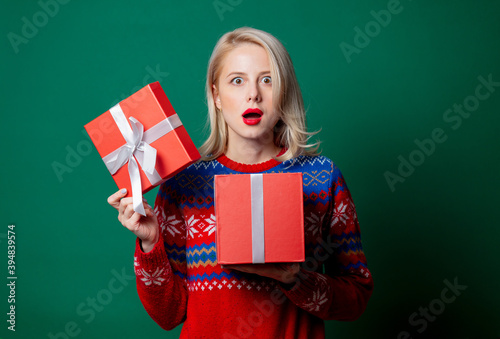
(252, 116)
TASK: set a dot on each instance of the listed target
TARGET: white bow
(138, 149)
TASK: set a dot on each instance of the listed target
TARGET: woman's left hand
(286, 273)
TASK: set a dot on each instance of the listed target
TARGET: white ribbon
(138, 147)
(257, 205)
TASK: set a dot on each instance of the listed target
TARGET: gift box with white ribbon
(142, 142)
(259, 218)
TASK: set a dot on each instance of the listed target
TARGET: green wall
(371, 95)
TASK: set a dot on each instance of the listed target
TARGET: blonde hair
(290, 131)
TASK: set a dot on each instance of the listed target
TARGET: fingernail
(123, 191)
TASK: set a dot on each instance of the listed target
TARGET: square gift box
(142, 141)
(260, 218)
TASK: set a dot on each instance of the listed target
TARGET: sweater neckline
(249, 168)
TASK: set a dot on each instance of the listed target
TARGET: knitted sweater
(180, 281)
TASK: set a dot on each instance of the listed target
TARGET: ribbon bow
(135, 147)
(138, 149)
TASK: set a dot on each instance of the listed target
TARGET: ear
(215, 94)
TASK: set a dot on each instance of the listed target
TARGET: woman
(257, 121)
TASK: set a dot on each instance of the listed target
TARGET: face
(244, 95)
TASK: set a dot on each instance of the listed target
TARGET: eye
(267, 80)
(237, 81)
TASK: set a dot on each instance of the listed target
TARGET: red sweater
(179, 281)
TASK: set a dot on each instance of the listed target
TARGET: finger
(114, 199)
(149, 211)
(124, 203)
(284, 267)
(134, 219)
(129, 211)
(241, 268)
(290, 269)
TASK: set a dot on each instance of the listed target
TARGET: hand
(286, 273)
(145, 228)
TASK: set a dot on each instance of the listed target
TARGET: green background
(440, 223)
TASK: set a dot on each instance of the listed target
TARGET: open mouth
(252, 116)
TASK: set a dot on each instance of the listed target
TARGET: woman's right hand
(145, 228)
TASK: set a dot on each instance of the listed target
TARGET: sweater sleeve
(335, 283)
(161, 273)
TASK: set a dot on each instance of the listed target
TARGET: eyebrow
(243, 73)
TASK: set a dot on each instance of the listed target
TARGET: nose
(253, 92)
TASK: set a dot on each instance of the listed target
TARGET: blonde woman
(257, 121)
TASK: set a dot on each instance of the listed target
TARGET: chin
(261, 136)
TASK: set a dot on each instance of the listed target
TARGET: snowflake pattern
(171, 224)
(322, 279)
(340, 215)
(320, 295)
(231, 283)
(316, 301)
(351, 210)
(190, 229)
(155, 278)
(211, 225)
(314, 222)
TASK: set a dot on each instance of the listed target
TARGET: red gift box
(142, 141)
(260, 218)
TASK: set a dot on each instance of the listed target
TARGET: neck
(251, 152)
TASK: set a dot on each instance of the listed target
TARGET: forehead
(246, 58)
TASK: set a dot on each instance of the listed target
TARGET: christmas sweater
(180, 282)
